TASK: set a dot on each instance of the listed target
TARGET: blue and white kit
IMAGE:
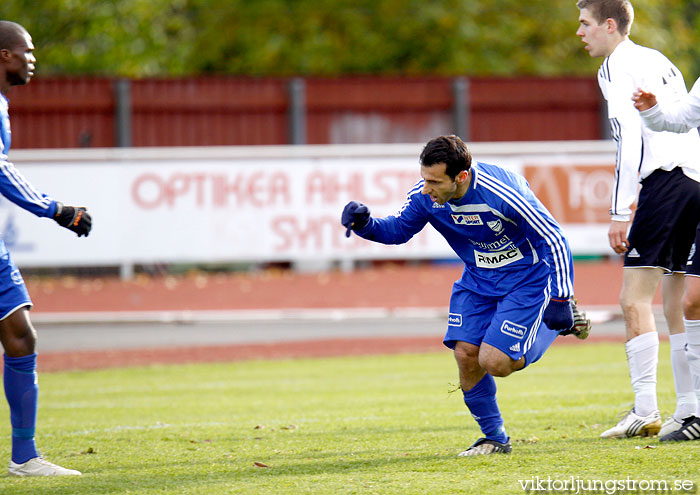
(13, 186)
(515, 254)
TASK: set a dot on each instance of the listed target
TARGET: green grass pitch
(356, 425)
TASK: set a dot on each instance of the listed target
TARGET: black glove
(355, 216)
(558, 314)
(76, 219)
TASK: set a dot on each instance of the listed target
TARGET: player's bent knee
(498, 369)
(18, 334)
(691, 306)
(629, 304)
(466, 353)
(20, 346)
(496, 363)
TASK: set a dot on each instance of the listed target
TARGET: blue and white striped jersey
(13, 185)
(499, 228)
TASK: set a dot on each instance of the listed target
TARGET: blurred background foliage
(146, 38)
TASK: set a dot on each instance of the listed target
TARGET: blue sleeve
(17, 189)
(539, 224)
(540, 228)
(399, 228)
(556, 249)
(13, 185)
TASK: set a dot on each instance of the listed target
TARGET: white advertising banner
(275, 203)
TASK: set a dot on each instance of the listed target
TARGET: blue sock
(545, 337)
(22, 392)
(481, 401)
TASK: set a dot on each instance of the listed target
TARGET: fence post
(297, 111)
(126, 270)
(461, 108)
(122, 113)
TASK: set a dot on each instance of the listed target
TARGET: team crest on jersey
(496, 226)
(513, 329)
(460, 219)
(16, 277)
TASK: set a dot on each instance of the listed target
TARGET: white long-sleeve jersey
(675, 116)
(641, 151)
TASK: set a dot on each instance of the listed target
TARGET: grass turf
(366, 425)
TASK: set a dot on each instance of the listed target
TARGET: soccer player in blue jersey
(17, 334)
(515, 295)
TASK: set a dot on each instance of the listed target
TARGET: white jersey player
(668, 209)
(681, 116)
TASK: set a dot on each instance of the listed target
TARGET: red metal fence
(67, 113)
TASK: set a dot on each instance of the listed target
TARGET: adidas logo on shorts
(633, 253)
(515, 347)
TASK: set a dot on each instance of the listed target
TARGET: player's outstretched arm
(677, 116)
(74, 218)
(392, 229)
(643, 100)
(355, 216)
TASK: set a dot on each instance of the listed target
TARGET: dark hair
(620, 11)
(449, 150)
(11, 35)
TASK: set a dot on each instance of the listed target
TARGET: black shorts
(693, 267)
(665, 223)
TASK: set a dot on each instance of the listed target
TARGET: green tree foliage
(140, 38)
(98, 37)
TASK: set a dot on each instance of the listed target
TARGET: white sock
(686, 400)
(692, 351)
(643, 358)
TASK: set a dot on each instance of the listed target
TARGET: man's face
(596, 36)
(20, 68)
(438, 184)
